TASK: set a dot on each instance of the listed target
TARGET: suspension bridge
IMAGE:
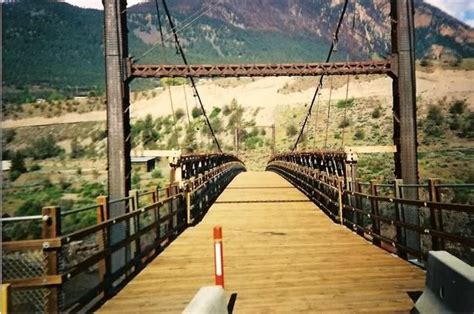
(306, 235)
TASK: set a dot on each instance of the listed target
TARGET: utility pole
(404, 106)
(118, 119)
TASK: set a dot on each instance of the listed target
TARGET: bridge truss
(120, 72)
(259, 70)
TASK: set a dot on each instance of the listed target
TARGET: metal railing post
(436, 215)
(339, 199)
(187, 195)
(134, 225)
(375, 211)
(399, 216)
(104, 265)
(51, 228)
(358, 218)
(170, 193)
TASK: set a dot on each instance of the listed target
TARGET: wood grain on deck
(282, 257)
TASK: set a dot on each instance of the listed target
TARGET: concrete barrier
(449, 285)
(208, 300)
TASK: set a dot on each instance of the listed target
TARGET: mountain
(58, 45)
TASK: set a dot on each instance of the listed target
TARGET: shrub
(433, 124)
(345, 103)
(425, 63)
(435, 115)
(291, 130)
(35, 167)
(14, 174)
(467, 128)
(9, 135)
(457, 107)
(77, 151)
(226, 110)
(136, 178)
(344, 123)
(179, 113)
(156, 174)
(190, 143)
(215, 112)
(18, 163)
(377, 113)
(92, 190)
(359, 134)
(196, 112)
(44, 147)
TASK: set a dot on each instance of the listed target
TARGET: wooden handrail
(54, 245)
(320, 188)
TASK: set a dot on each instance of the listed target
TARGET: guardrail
(376, 211)
(75, 271)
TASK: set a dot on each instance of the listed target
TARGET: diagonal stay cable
(191, 79)
(333, 45)
(178, 30)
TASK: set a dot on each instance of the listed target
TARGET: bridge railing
(376, 211)
(79, 270)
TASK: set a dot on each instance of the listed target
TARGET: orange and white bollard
(218, 257)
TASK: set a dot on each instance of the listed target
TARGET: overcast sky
(462, 9)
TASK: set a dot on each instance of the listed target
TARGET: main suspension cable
(333, 45)
(160, 27)
(191, 79)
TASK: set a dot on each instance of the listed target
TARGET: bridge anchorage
(149, 249)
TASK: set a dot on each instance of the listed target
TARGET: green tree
(190, 143)
(18, 162)
(77, 151)
(44, 147)
(8, 135)
(149, 135)
(433, 124)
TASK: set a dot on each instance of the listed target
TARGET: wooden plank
(278, 257)
(371, 149)
(51, 280)
(32, 244)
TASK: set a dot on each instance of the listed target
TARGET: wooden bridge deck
(281, 254)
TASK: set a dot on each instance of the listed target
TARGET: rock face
(53, 44)
(366, 30)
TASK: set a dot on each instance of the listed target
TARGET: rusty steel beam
(260, 70)
(404, 108)
(118, 121)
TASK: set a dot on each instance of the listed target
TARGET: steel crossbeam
(259, 70)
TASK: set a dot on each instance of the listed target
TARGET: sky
(462, 9)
